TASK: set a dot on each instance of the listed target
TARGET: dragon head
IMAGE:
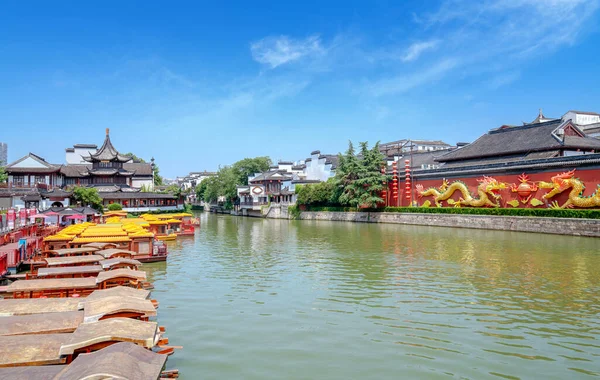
(564, 175)
(492, 186)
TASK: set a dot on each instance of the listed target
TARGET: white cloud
(276, 51)
(418, 48)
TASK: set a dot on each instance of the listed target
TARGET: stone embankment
(560, 226)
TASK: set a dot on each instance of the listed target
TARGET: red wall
(590, 178)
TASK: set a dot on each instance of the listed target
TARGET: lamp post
(152, 165)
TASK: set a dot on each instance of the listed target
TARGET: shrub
(115, 207)
(544, 212)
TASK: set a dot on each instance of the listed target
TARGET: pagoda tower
(107, 166)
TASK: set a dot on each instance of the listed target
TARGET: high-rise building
(3, 154)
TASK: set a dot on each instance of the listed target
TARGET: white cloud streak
(415, 50)
(403, 83)
(277, 51)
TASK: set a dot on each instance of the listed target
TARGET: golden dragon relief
(487, 192)
(564, 181)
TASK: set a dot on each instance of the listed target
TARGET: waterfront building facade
(118, 180)
(546, 163)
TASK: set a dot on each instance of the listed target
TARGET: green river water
(274, 299)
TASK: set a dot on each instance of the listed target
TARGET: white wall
(139, 183)
(75, 157)
(316, 169)
(581, 119)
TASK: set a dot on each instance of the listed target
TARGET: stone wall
(561, 226)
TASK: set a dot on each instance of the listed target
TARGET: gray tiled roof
(522, 139)
(107, 152)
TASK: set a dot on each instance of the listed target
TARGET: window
(18, 180)
(40, 179)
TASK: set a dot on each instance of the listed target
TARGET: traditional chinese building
(35, 182)
(534, 153)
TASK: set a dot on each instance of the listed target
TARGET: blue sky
(198, 85)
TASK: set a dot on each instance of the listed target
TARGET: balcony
(25, 186)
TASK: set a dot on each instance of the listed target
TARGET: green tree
(88, 196)
(174, 189)
(212, 191)
(135, 158)
(115, 207)
(319, 194)
(201, 189)
(250, 166)
(158, 179)
(3, 175)
(360, 179)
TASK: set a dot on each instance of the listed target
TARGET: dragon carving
(487, 191)
(562, 182)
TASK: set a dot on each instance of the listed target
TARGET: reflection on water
(271, 299)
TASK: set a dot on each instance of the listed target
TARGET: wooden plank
(44, 372)
(119, 361)
(27, 306)
(108, 330)
(107, 264)
(121, 273)
(69, 271)
(20, 350)
(49, 323)
(52, 284)
(102, 307)
(117, 291)
(73, 260)
(98, 245)
(108, 253)
(73, 251)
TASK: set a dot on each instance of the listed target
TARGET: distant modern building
(588, 122)
(3, 154)
(193, 179)
(76, 154)
(410, 145)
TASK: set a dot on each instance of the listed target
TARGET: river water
(273, 299)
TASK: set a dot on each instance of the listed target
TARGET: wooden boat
(28, 306)
(121, 277)
(123, 360)
(119, 262)
(49, 323)
(73, 261)
(60, 348)
(57, 287)
(118, 307)
(69, 252)
(115, 252)
(69, 272)
(169, 237)
(67, 287)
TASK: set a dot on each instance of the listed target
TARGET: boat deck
(72, 272)
(28, 306)
(50, 323)
(73, 260)
(19, 350)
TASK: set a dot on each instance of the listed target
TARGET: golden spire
(107, 131)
